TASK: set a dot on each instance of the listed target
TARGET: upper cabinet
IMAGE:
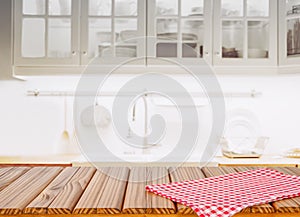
(245, 32)
(112, 30)
(236, 33)
(180, 29)
(289, 32)
(46, 32)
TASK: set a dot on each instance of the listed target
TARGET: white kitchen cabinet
(289, 32)
(62, 36)
(112, 31)
(46, 32)
(179, 29)
(74, 32)
(245, 32)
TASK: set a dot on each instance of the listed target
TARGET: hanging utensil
(64, 144)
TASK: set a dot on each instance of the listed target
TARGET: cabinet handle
(74, 53)
(84, 53)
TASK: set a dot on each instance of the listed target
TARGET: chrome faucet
(144, 98)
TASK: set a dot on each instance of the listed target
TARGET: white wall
(31, 125)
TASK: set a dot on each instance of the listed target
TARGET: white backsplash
(33, 125)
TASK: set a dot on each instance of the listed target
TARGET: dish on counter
(244, 152)
(174, 36)
(242, 136)
(293, 153)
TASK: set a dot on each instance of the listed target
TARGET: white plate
(242, 130)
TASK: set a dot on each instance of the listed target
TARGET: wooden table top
(85, 191)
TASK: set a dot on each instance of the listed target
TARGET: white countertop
(263, 160)
(80, 160)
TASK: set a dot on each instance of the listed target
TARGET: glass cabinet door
(46, 32)
(179, 29)
(112, 30)
(290, 32)
(245, 32)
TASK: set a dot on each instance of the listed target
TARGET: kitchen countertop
(85, 191)
(80, 160)
(265, 160)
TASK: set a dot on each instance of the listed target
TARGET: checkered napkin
(226, 195)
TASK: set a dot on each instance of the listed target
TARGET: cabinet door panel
(289, 32)
(59, 38)
(115, 34)
(245, 32)
(258, 8)
(258, 30)
(60, 7)
(232, 39)
(100, 7)
(33, 37)
(179, 29)
(46, 32)
(34, 7)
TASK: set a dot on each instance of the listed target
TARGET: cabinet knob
(74, 53)
(217, 53)
(84, 53)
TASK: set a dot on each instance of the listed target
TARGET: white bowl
(257, 53)
(129, 36)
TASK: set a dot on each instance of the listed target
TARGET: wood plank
(288, 205)
(295, 171)
(89, 200)
(4, 170)
(217, 171)
(157, 204)
(113, 195)
(66, 200)
(41, 203)
(23, 190)
(180, 174)
(10, 174)
(155, 215)
(135, 197)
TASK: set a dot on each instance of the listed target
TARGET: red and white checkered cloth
(226, 195)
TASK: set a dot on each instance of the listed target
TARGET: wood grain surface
(41, 203)
(89, 200)
(57, 191)
(135, 201)
(67, 199)
(10, 174)
(113, 195)
(15, 197)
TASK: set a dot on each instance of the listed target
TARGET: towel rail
(37, 93)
